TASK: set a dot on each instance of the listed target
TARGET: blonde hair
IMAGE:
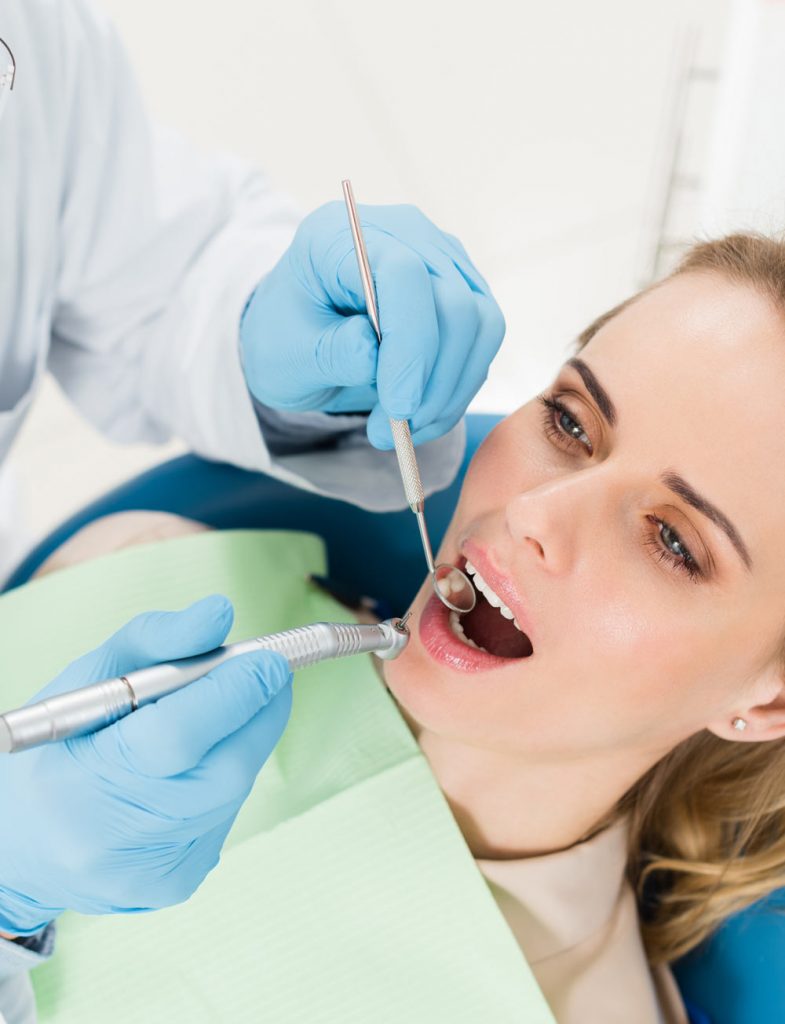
(707, 822)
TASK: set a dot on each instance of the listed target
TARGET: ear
(763, 709)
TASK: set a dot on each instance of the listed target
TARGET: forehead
(716, 315)
(696, 369)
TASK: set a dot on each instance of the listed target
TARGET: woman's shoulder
(575, 917)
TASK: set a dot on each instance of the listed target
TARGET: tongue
(489, 629)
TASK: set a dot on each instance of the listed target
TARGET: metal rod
(402, 438)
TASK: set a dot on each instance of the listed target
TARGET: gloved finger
(469, 348)
(457, 246)
(384, 229)
(234, 763)
(346, 354)
(377, 429)
(343, 354)
(148, 639)
(162, 636)
(408, 321)
(335, 264)
(175, 867)
(459, 322)
(446, 255)
(380, 435)
(475, 372)
(194, 862)
(413, 228)
(173, 734)
(477, 369)
(436, 429)
(489, 338)
(465, 265)
(410, 225)
(221, 781)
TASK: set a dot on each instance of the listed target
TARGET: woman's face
(630, 650)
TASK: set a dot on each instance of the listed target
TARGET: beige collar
(557, 900)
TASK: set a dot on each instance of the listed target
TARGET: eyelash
(687, 564)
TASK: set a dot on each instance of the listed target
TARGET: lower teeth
(457, 628)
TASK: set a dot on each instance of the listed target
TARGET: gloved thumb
(147, 639)
(164, 636)
(346, 353)
(172, 735)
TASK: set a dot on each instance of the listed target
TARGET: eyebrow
(675, 483)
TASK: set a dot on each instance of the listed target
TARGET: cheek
(617, 618)
(497, 472)
(634, 665)
(661, 660)
(633, 652)
(499, 461)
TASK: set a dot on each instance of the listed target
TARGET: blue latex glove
(133, 817)
(307, 343)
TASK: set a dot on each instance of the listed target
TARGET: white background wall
(541, 134)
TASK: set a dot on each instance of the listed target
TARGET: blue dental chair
(738, 976)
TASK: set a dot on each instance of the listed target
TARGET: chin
(430, 696)
(419, 694)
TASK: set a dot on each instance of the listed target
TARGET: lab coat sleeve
(160, 247)
(17, 1002)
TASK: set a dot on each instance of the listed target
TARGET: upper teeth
(490, 596)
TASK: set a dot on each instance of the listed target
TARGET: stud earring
(739, 723)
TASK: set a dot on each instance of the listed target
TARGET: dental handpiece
(100, 704)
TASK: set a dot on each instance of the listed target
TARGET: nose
(547, 520)
(529, 528)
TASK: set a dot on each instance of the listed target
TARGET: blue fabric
(737, 976)
(695, 1015)
(361, 545)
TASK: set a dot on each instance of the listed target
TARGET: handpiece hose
(100, 704)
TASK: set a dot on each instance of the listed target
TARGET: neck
(508, 808)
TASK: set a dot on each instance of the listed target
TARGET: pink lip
(444, 646)
(500, 584)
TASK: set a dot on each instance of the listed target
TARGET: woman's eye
(562, 427)
(663, 546)
(569, 428)
(554, 410)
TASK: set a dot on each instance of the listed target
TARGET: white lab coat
(126, 258)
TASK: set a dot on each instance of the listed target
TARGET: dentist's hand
(134, 816)
(307, 342)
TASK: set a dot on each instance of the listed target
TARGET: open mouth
(490, 625)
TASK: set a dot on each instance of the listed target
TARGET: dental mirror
(453, 588)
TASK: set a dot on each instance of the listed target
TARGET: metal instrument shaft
(96, 706)
(455, 591)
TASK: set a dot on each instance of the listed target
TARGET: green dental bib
(345, 892)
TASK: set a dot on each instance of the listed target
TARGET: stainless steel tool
(93, 707)
(452, 586)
